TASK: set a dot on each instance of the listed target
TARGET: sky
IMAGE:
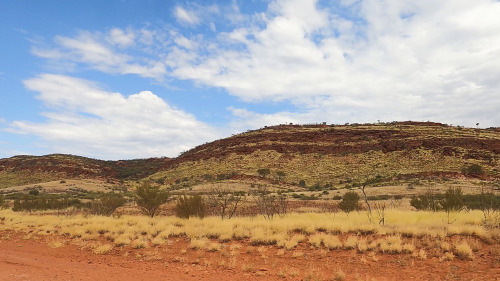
(125, 79)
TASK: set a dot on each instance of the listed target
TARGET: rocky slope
(340, 155)
(311, 155)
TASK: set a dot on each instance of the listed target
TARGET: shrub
(464, 251)
(149, 199)
(474, 169)
(34, 192)
(193, 206)
(106, 205)
(350, 202)
(263, 172)
(427, 201)
(302, 183)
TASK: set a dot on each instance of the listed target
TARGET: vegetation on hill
(307, 156)
(342, 156)
(20, 170)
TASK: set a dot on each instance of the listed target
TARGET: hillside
(342, 155)
(331, 156)
(20, 170)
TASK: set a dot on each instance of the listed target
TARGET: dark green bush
(190, 206)
(33, 192)
(350, 202)
(263, 172)
(474, 169)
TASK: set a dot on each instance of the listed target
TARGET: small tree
(269, 205)
(263, 172)
(225, 202)
(452, 201)
(350, 202)
(490, 209)
(149, 199)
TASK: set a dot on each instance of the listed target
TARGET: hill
(323, 156)
(342, 155)
(21, 170)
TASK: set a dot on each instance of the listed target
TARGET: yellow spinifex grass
(140, 230)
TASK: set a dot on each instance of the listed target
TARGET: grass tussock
(464, 251)
(319, 230)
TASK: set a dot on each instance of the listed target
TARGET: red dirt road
(33, 259)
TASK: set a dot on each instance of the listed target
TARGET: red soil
(33, 259)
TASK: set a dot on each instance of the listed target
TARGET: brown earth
(33, 259)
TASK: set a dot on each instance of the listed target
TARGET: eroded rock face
(341, 140)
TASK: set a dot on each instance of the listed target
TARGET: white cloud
(86, 120)
(360, 62)
(105, 52)
(187, 17)
(121, 38)
(392, 59)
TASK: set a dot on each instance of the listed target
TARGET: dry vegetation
(316, 165)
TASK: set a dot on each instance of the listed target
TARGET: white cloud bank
(358, 61)
(87, 120)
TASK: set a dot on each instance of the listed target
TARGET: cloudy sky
(141, 78)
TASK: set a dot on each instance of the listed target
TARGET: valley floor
(38, 259)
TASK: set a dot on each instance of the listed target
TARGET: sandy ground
(34, 259)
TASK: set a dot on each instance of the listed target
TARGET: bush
(474, 169)
(302, 183)
(428, 201)
(149, 199)
(106, 205)
(263, 172)
(193, 206)
(34, 192)
(350, 202)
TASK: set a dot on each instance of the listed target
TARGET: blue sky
(134, 79)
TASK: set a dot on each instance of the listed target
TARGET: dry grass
(321, 231)
(464, 251)
(101, 249)
(56, 244)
